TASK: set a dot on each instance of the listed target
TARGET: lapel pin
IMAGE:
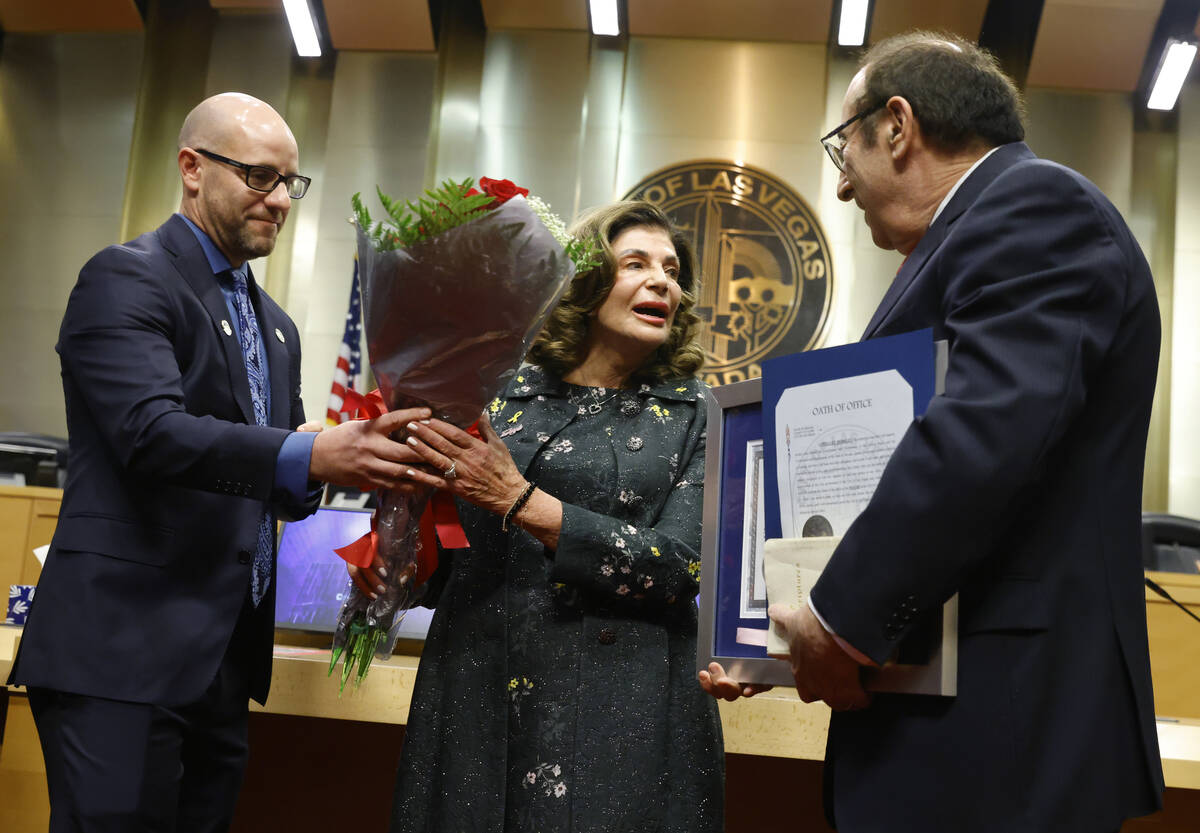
(279, 335)
(508, 432)
(225, 326)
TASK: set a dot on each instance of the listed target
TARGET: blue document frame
(734, 421)
(912, 355)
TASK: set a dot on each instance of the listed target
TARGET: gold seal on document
(767, 277)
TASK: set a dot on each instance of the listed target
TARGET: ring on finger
(449, 474)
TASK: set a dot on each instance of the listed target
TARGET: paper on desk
(40, 554)
(791, 566)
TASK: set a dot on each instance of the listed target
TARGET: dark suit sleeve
(1034, 277)
(118, 344)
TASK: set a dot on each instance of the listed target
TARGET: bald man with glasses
(153, 621)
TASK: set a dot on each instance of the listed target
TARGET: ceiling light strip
(304, 30)
(852, 27)
(604, 17)
(1172, 72)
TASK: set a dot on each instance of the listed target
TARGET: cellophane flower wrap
(448, 319)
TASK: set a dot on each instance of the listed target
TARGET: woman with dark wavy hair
(557, 687)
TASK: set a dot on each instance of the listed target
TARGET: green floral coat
(557, 689)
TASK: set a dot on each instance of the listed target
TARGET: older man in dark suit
(153, 620)
(1019, 489)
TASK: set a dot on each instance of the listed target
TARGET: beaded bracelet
(516, 507)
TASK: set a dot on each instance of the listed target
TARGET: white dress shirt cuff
(855, 654)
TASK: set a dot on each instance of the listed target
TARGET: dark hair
(958, 92)
(561, 346)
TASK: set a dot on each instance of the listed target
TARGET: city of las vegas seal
(767, 278)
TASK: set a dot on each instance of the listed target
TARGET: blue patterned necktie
(252, 352)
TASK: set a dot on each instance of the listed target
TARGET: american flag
(349, 361)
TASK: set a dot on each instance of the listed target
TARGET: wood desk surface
(773, 724)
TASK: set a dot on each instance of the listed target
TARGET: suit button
(243, 557)
(607, 636)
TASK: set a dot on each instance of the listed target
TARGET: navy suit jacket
(1020, 489)
(169, 476)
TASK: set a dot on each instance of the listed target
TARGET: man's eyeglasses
(834, 142)
(262, 178)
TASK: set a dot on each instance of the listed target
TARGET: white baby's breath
(549, 219)
(581, 252)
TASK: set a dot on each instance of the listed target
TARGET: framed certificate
(742, 502)
(733, 596)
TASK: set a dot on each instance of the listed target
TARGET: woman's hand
(482, 472)
(720, 685)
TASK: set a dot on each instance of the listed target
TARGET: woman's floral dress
(557, 689)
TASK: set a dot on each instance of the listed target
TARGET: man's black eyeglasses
(834, 143)
(262, 178)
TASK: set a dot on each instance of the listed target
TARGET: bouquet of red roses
(455, 287)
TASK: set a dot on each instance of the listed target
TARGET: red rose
(502, 189)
